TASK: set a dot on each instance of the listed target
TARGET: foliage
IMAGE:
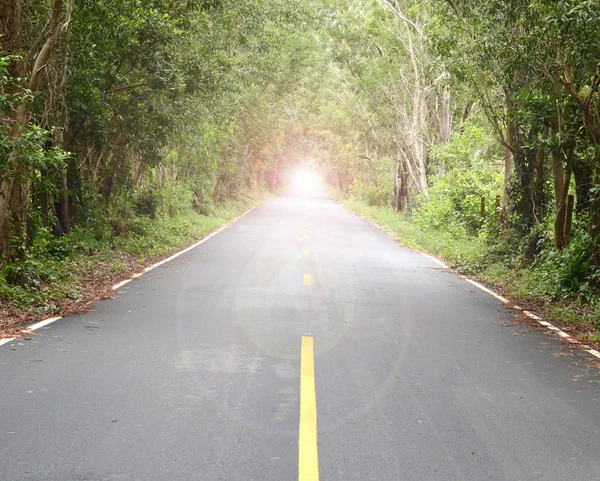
(153, 114)
(455, 198)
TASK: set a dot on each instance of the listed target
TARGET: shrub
(176, 198)
(454, 200)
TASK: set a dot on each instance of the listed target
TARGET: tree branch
(453, 6)
(594, 86)
(402, 17)
(56, 30)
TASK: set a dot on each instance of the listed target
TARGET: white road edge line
(594, 353)
(437, 261)
(546, 324)
(485, 289)
(120, 284)
(37, 325)
(50, 320)
(177, 254)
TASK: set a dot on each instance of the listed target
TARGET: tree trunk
(11, 42)
(7, 184)
(538, 193)
(466, 114)
(396, 174)
(19, 207)
(15, 184)
(446, 127)
(62, 207)
(561, 189)
(524, 161)
(508, 166)
(561, 175)
(582, 174)
(594, 210)
(403, 192)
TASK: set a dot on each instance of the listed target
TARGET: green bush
(146, 201)
(176, 198)
(567, 273)
(376, 185)
(455, 199)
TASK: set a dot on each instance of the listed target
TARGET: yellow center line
(307, 279)
(306, 236)
(306, 252)
(306, 225)
(308, 456)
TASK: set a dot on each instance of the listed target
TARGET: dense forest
(471, 129)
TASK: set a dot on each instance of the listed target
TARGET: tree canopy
(113, 110)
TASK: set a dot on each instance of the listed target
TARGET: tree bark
(561, 189)
(403, 191)
(561, 176)
(396, 174)
(508, 166)
(62, 211)
(446, 119)
(538, 192)
(582, 174)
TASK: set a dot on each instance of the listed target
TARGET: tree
(16, 179)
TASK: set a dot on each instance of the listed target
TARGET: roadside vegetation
(130, 129)
(470, 129)
(497, 104)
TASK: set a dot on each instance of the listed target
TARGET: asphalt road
(201, 368)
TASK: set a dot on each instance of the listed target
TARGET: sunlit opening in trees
(305, 182)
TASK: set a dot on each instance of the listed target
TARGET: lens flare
(305, 182)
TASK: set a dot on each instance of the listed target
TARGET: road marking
(541, 322)
(306, 252)
(307, 279)
(121, 284)
(594, 352)
(31, 328)
(306, 236)
(187, 249)
(306, 225)
(437, 261)
(485, 289)
(44, 323)
(308, 455)
(546, 324)
(50, 320)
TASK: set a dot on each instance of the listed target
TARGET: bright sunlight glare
(305, 182)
